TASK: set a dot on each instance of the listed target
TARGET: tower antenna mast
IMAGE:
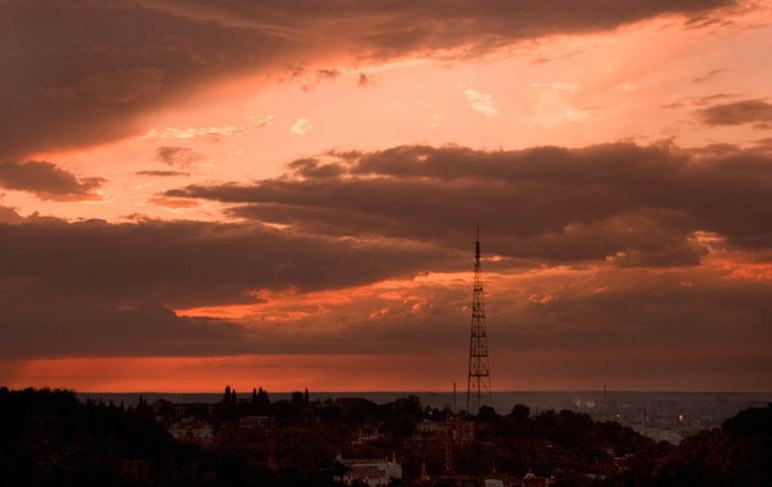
(478, 387)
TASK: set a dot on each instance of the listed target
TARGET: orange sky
(194, 194)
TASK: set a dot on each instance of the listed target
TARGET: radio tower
(478, 387)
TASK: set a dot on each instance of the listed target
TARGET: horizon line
(433, 392)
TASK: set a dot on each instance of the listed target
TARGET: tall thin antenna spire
(478, 387)
(477, 247)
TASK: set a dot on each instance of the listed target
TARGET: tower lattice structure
(478, 388)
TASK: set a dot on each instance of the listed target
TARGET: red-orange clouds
(330, 161)
(62, 92)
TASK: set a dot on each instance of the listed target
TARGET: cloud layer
(187, 263)
(108, 288)
(736, 113)
(614, 252)
(82, 73)
(641, 259)
(47, 181)
(635, 205)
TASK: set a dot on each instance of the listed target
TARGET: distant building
(531, 480)
(256, 422)
(455, 429)
(367, 434)
(659, 434)
(428, 428)
(347, 404)
(192, 431)
(460, 429)
(373, 472)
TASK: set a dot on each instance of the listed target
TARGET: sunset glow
(199, 193)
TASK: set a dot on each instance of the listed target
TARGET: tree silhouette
(519, 413)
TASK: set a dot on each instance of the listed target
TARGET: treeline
(568, 446)
(49, 438)
(576, 451)
(397, 419)
(737, 454)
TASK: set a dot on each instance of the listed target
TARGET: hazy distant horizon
(502, 401)
(675, 391)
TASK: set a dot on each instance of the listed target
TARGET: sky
(284, 194)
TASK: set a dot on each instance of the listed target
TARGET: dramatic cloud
(616, 252)
(736, 113)
(615, 261)
(186, 263)
(83, 328)
(629, 204)
(107, 287)
(9, 215)
(705, 324)
(394, 28)
(78, 74)
(47, 181)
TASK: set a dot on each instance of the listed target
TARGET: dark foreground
(50, 438)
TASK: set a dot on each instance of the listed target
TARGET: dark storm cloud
(549, 202)
(764, 144)
(106, 287)
(310, 168)
(47, 181)
(714, 333)
(660, 330)
(736, 113)
(186, 263)
(9, 215)
(84, 328)
(655, 314)
(682, 325)
(396, 27)
(78, 73)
